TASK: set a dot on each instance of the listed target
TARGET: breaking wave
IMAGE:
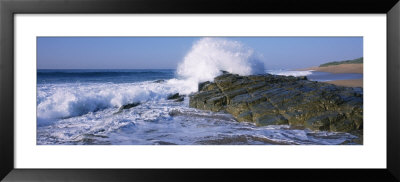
(289, 72)
(57, 101)
(209, 56)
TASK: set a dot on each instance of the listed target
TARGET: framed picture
(127, 90)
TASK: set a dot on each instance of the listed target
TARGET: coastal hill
(353, 61)
(347, 66)
(283, 100)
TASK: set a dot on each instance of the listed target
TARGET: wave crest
(209, 56)
(69, 100)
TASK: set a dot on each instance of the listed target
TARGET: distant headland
(346, 66)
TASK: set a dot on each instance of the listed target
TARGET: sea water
(317, 75)
(82, 106)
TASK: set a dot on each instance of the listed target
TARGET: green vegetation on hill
(353, 61)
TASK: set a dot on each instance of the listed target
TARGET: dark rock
(276, 100)
(164, 143)
(176, 97)
(127, 106)
(201, 85)
(302, 78)
(173, 96)
(175, 113)
(159, 81)
(224, 72)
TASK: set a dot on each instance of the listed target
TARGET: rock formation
(283, 100)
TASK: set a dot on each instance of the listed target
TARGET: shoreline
(347, 83)
(342, 68)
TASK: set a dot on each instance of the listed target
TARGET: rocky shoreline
(283, 100)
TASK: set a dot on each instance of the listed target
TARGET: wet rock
(159, 81)
(175, 113)
(163, 143)
(224, 72)
(176, 97)
(283, 100)
(127, 106)
(201, 85)
(302, 78)
(173, 96)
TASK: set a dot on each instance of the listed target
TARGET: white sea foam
(73, 109)
(67, 100)
(76, 119)
(209, 56)
(151, 123)
(289, 72)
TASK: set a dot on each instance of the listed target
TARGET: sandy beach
(348, 83)
(342, 68)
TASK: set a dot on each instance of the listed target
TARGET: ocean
(80, 107)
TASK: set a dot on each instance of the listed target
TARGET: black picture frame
(8, 8)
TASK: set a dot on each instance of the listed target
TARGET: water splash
(209, 56)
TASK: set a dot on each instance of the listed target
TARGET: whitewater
(81, 106)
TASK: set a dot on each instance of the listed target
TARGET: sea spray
(209, 56)
(56, 101)
(206, 59)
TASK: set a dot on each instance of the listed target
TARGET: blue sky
(167, 52)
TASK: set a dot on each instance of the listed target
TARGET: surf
(208, 57)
